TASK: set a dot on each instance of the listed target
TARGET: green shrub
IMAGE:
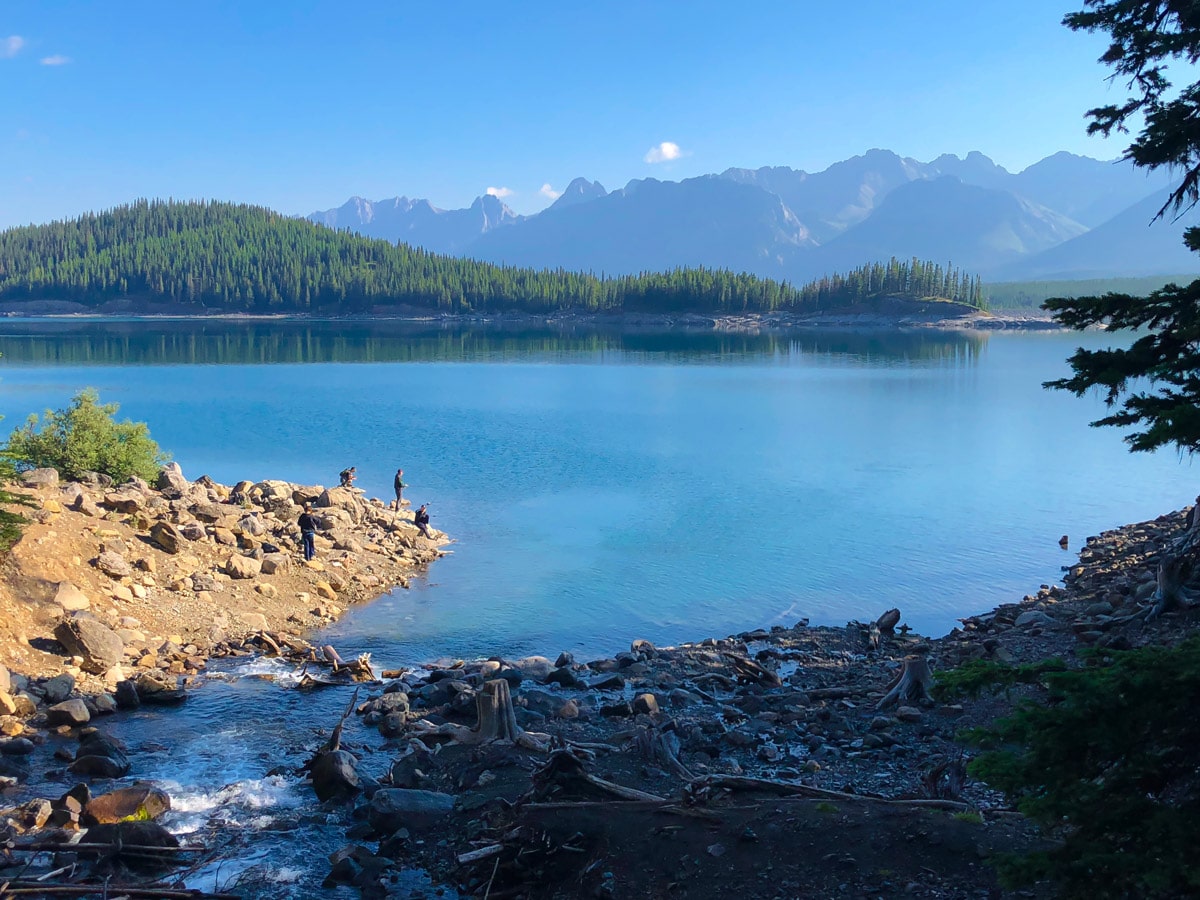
(1110, 764)
(85, 437)
(10, 522)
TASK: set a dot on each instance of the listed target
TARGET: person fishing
(421, 520)
(308, 532)
(399, 485)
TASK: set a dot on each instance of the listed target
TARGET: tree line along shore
(234, 257)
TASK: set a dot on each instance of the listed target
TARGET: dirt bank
(177, 568)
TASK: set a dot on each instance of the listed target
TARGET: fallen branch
(787, 789)
(564, 770)
(32, 888)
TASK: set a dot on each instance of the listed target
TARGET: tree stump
(911, 684)
(497, 722)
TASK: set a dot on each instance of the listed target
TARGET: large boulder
(156, 688)
(252, 525)
(395, 808)
(211, 512)
(171, 481)
(73, 713)
(100, 646)
(138, 803)
(342, 498)
(166, 536)
(334, 776)
(124, 501)
(36, 478)
(99, 756)
(58, 688)
(238, 566)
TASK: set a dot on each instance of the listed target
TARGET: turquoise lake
(605, 486)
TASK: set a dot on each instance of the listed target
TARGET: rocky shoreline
(695, 770)
(898, 314)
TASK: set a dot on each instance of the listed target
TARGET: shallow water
(600, 487)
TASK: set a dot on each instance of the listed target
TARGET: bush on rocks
(83, 438)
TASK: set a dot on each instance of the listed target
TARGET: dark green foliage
(1166, 359)
(10, 522)
(972, 678)
(1110, 763)
(1147, 38)
(244, 258)
(85, 437)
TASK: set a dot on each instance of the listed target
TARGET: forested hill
(242, 258)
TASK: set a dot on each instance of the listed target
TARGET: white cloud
(56, 60)
(500, 192)
(11, 46)
(548, 192)
(664, 152)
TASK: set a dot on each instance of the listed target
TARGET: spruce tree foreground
(1106, 757)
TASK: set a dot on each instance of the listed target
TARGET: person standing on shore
(347, 476)
(308, 533)
(399, 485)
(421, 520)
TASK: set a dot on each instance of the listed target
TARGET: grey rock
(113, 565)
(166, 536)
(58, 688)
(36, 478)
(395, 808)
(238, 566)
(334, 776)
(1034, 617)
(171, 481)
(71, 598)
(69, 712)
(100, 646)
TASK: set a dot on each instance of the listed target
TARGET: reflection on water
(207, 342)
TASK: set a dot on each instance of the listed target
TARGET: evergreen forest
(240, 258)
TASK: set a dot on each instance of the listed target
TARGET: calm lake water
(603, 487)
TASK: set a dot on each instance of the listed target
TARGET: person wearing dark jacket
(421, 520)
(399, 485)
(308, 532)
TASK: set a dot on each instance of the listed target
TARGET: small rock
(113, 565)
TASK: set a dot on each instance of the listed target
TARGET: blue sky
(300, 105)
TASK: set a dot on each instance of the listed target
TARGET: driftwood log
(497, 722)
(911, 684)
(564, 771)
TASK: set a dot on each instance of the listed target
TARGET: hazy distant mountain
(656, 225)
(843, 195)
(781, 222)
(1141, 245)
(579, 191)
(418, 222)
(976, 228)
(1086, 190)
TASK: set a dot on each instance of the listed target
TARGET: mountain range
(1066, 216)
